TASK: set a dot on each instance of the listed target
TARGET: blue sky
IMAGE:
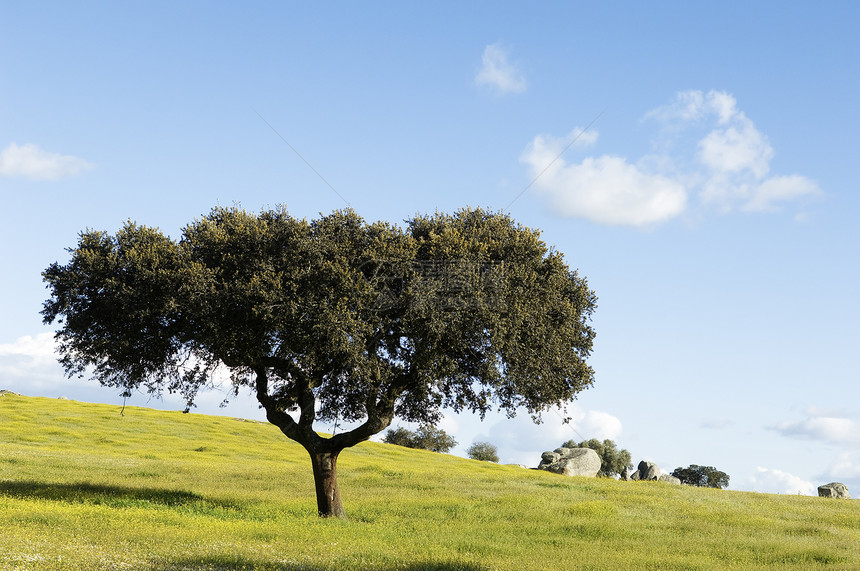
(695, 161)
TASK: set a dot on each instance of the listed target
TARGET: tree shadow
(234, 563)
(122, 496)
(98, 494)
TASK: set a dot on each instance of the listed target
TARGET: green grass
(82, 487)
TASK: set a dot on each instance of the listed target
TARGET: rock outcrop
(669, 478)
(646, 471)
(571, 462)
(834, 490)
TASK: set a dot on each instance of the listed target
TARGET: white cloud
(710, 148)
(29, 363)
(716, 423)
(736, 149)
(779, 482)
(736, 155)
(449, 424)
(40, 346)
(581, 138)
(499, 74)
(599, 425)
(520, 441)
(779, 189)
(693, 105)
(824, 428)
(29, 366)
(606, 189)
(845, 467)
(29, 161)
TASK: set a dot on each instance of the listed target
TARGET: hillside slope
(85, 487)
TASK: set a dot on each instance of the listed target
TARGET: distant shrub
(483, 451)
(427, 437)
(400, 437)
(702, 476)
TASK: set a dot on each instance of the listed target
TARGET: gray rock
(626, 473)
(645, 471)
(834, 490)
(648, 471)
(574, 462)
(549, 457)
(670, 479)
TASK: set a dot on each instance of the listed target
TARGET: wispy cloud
(708, 148)
(30, 357)
(779, 482)
(716, 423)
(522, 441)
(31, 162)
(28, 365)
(831, 429)
(845, 467)
(498, 73)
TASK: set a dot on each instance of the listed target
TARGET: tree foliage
(333, 319)
(427, 437)
(702, 476)
(483, 451)
(613, 460)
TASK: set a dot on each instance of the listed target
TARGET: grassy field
(82, 487)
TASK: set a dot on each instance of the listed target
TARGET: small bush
(426, 437)
(702, 476)
(483, 451)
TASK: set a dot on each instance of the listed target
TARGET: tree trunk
(325, 480)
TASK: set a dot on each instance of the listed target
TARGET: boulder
(834, 490)
(670, 479)
(571, 462)
(646, 471)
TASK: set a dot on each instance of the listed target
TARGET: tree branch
(275, 415)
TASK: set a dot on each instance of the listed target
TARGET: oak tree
(483, 451)
(702, 476)
(333, 319)
(427, 437)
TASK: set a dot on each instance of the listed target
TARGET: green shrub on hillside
(426, 438)
(483, 451)
(702, 476)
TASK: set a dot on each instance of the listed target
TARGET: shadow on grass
(97, 494)
(237, 564)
